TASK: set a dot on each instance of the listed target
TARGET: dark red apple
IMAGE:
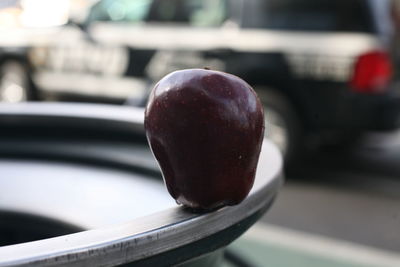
(205, 129)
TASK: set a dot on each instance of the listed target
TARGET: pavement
(273, 246)
(341, 209)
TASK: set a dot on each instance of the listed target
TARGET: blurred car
(319, 66)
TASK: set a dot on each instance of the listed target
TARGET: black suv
(319, 66)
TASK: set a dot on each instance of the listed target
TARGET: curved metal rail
(148, 239)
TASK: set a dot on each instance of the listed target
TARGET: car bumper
(387, 115)
(344, 111)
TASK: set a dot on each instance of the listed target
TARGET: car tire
(282, 125)
(343, 141)
(14, 83)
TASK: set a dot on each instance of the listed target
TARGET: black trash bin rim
(144, 237)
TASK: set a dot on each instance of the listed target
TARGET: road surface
(351, 195)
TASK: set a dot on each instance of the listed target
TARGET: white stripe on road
(322, 246)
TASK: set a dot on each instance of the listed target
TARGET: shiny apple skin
(205, 128)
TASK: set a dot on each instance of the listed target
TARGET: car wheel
(282, 125)
(342, 141)
(14, 83)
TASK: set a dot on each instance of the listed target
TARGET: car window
(192, 12)
(308, 15)
(119, 11)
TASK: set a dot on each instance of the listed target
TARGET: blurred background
(326, 72)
